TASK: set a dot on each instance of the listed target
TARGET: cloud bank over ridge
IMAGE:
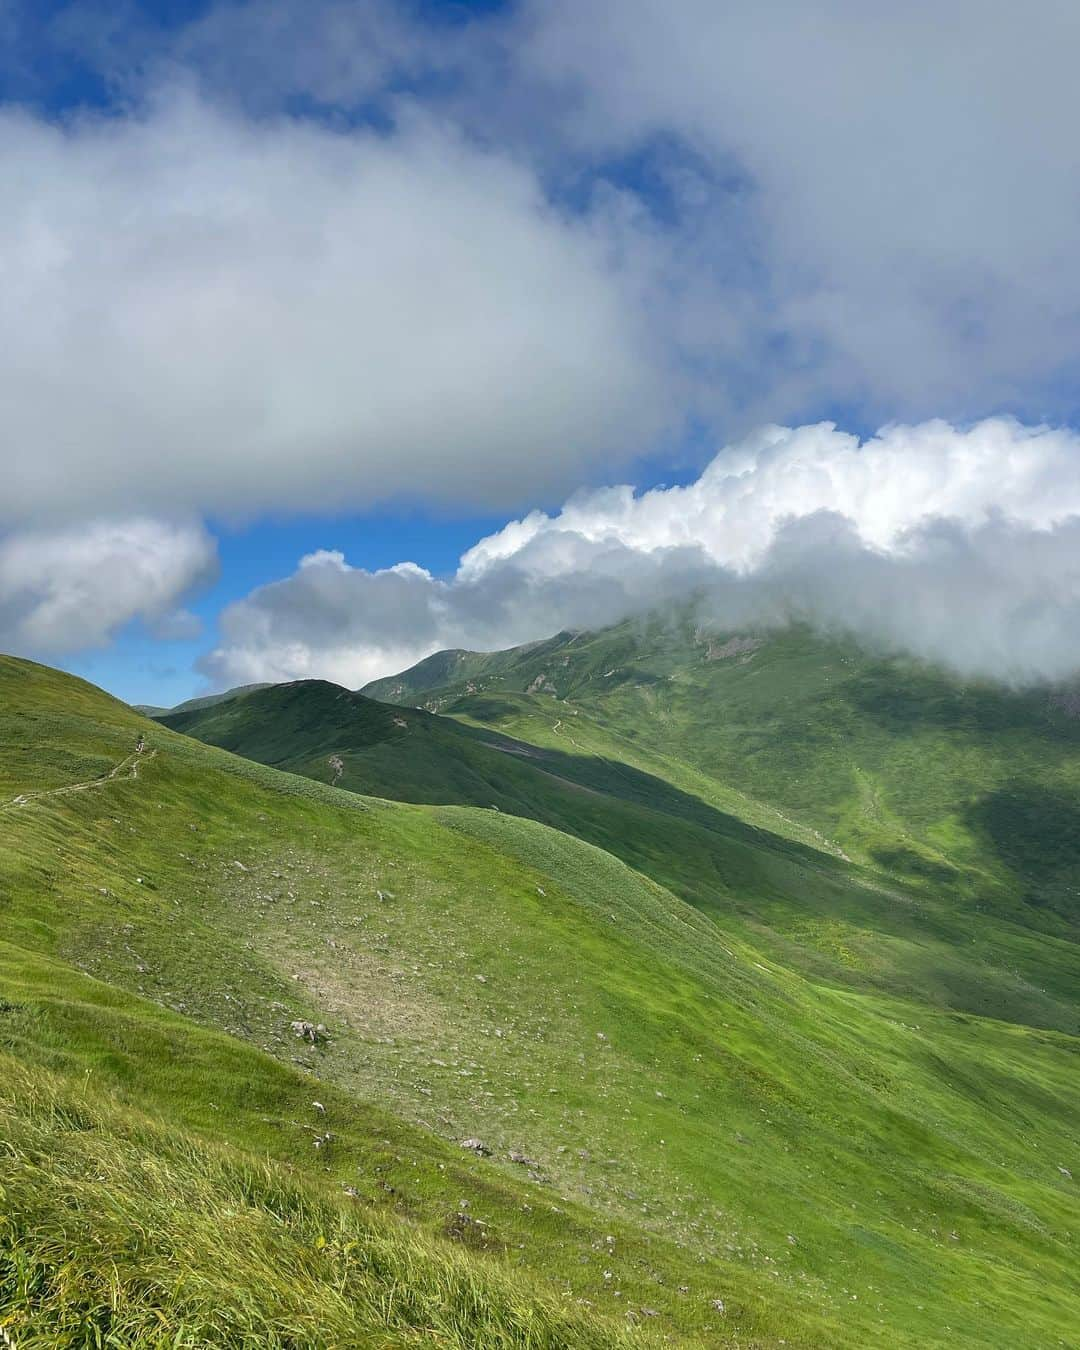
(270, 260)
(959, 545)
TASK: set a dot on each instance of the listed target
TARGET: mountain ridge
(714, 1052)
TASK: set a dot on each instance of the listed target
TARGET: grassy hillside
(790, 894)
(713, 1139)
(119, 1230)
(956, 783)
(961, 794)
(100, 878)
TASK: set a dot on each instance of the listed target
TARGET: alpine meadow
(539, 675)
(744, 968)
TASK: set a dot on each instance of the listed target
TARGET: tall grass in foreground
(115, 1232)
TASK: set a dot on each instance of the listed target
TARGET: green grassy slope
(99, 878)
(723, 852)
(961, 794)
(703, 1121)
(956, 783)
(120, 1230)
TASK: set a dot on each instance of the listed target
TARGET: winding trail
(555, 729)
(129, 762)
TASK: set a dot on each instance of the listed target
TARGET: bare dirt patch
(366, 993)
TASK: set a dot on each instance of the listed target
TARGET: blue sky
(139, 667)
(136, 660)
(365, 282)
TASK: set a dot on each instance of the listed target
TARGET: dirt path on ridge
(129, 762)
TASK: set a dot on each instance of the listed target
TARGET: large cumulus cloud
(313, 256)
(209, 312)
(802, 207)
(960, 545)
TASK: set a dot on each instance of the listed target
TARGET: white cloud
(336, 51)
(805, 206)
(884, 197)
(207, 312)
(796, 207)
(960, 545)
(70, 588)
(898, 480)
(516, 278)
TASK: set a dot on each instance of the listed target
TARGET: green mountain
(721, 851)
(960, 785)
(736, 1066)
(826, 900)
(179, 1167)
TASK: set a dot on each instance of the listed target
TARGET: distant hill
(205, 701)
(457, 669)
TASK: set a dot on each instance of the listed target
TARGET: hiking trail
(130, 762)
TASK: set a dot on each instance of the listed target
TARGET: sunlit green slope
(961, 784)
(961, 795)
(723, 1148)
(786, 889)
